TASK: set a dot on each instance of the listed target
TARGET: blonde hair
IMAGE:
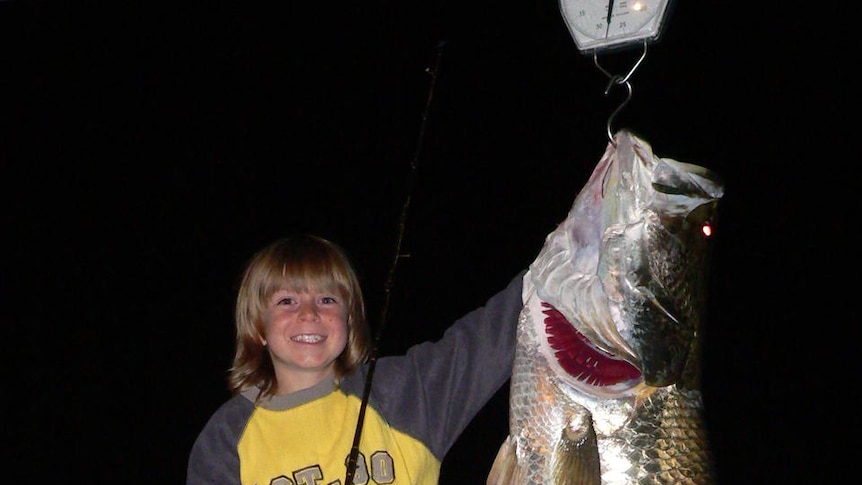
(297, 263)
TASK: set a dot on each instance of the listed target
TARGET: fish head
(658, 216)
(624, 275)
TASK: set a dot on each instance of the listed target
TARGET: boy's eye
(328, 299)
(284, 301)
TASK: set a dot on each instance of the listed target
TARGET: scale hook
(615, 80)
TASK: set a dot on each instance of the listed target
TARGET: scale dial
(609, 24)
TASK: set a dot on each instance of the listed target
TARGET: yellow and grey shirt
(420, 403)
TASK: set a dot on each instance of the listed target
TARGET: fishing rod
(387, 286)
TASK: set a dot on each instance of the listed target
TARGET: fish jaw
(575, 366)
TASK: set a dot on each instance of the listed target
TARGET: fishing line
(387, 286)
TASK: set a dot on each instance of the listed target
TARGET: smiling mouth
(580, 358)
(308, 338)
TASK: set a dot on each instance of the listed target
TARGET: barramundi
(605, 385)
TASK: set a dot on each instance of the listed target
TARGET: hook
(617, 80)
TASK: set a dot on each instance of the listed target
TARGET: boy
(299, 370)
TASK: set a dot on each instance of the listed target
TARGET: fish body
(605, 382)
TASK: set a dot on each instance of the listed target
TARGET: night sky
(147, 149)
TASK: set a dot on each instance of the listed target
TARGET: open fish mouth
(583, 361)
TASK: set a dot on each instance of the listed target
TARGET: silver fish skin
(605, 382)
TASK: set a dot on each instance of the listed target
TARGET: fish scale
(604, 387)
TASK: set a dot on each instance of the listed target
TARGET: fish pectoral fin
(577, 454)
(505, 464)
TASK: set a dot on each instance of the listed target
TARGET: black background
(147, 149)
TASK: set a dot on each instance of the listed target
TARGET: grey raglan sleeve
(214, 459)
(437, 388)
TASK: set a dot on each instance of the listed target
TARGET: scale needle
(610, 14)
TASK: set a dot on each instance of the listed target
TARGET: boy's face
(305, 332)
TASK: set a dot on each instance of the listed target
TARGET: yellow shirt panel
(310, 444)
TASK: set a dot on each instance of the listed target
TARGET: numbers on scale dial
(607, 19)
